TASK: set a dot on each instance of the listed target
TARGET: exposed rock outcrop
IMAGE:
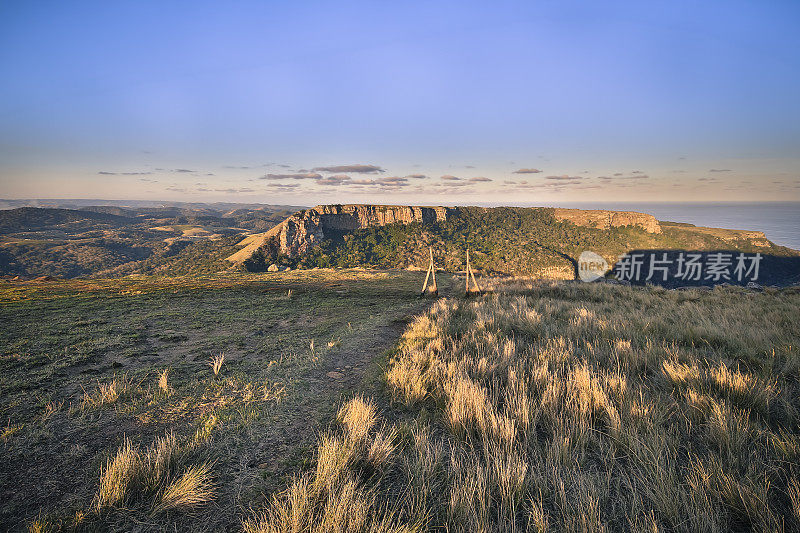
(305, 229)
(601, 219)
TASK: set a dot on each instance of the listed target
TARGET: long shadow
(573, 261)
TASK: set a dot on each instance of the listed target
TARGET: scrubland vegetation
(571, 407)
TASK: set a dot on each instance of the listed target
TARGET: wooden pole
(477, 287)
(466, 276)
(427, 275)
(470, 272)
(435, 288)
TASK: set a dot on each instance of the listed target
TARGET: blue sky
(261, 102)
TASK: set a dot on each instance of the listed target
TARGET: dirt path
(287, 448)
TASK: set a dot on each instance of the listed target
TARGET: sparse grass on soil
(542, 407)
(571, 407)
(113, 419)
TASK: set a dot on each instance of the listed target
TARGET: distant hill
(113, 240)
(78, 203)
(514, 240)
(32, 219)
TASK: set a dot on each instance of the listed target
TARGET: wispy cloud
(527, 171)
(106, 173)
(448, 177)
(301, 176)
(359, 169)
(720, 170)
(619, 176)
(564, 177)
(338, 179)
(479, 179)
(248, 167)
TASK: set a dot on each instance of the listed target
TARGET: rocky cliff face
(305, 229)
(595, 218)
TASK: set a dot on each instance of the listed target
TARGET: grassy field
(542, 406)
(161, 403)
(570, 407)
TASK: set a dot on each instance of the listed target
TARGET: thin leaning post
(470, 272)
(431, 273)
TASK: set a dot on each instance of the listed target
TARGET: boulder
(273, 268)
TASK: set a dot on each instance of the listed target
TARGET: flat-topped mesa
(357, 216)
(305, 229)
(601, 219)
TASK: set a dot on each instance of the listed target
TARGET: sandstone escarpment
(305, 229)
(601, 219)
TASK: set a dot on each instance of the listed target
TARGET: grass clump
(216, 363)
(341, 493)
(107, 393)
(166, 476)
(163, 380)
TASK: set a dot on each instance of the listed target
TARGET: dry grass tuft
(162, 478)
(107, 393)
(193, 488)
(337, 496)
(216, 363)
(163, 384)
(358, 416)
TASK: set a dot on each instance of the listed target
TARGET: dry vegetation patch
(94, 372)
(573, 407)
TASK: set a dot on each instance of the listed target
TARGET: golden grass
(107, 393)
(163, 382)
(216, 363)
(550, 407)
(339, 495)
(164, 477)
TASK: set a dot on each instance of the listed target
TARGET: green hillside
(501, 240)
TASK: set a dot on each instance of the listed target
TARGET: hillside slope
(111, 240)
(534, 241)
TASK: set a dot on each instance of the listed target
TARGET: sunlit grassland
(173, 402)
(571, 407)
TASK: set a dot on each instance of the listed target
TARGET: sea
(780, 221)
